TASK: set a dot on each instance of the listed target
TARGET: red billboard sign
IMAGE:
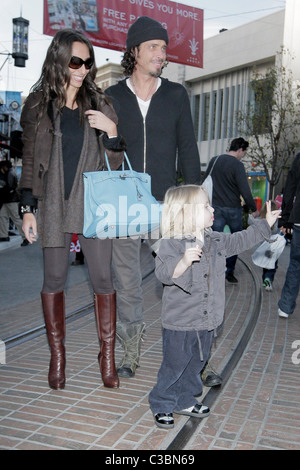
(106, 22)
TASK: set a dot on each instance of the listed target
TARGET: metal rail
(184, 435)
(28, 335)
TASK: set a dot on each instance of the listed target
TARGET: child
(269, 273)
(191, 263)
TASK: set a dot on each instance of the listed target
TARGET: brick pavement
(257, 409)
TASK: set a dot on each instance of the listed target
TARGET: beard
(156, 75)
(158, 72)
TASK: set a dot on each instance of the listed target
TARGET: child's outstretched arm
(272, 216)
(190, 255)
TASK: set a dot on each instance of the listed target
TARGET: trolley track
(184, 435)
(32, 333)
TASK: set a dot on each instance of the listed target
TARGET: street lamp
(20, 41)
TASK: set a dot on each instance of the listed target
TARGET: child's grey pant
(179, 379)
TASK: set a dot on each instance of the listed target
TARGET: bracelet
(27, 209)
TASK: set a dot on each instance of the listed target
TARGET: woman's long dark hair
(55, 74)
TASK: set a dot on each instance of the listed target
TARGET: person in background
(9, 202)
(290, 219)
(67, 124)
(155, 120)
(268, 274)
(229, 184)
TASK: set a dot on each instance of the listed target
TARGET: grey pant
(179, 379)
(98, 258)
(10, 210)
(127, 279)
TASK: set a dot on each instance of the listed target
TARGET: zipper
(144, 123)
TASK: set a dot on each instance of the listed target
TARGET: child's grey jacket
(196, 300)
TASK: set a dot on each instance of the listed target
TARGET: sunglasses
(77, 63)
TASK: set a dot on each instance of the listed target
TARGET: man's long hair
(129, 61)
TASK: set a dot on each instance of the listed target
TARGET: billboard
(106, 22)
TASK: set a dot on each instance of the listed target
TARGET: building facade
(221, 88)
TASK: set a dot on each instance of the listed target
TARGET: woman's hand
(99, 121)
(29, 227)
(272, 216)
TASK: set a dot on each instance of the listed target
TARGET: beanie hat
(145, 29)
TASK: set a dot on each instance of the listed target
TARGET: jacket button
(206, 294)
(205, 275)
(205, 312)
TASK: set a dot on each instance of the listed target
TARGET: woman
(68, 124)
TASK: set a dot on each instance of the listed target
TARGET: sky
(218, 14)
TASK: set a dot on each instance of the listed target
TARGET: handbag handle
(213, 165)
(126, 158)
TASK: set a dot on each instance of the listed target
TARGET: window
(231, 112)
(206, 116)
(220, 98)
(225, 113)
(214, 109)
(196, 115)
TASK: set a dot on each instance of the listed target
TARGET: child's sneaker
(197, 411)
(268, 285)
(164, 420)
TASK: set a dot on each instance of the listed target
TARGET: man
(9, 202)
(229, 184)
(155, 121)
(290, 218)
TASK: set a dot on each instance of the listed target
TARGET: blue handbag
(119, 203)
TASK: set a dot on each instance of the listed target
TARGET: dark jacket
(229, 183)
(8, 187)
(291, 209)
(37, 140)
(168, 128)
(196, 299)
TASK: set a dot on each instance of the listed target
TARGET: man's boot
(54, 314)
(130, 336)
(210, 377)
(105, 310)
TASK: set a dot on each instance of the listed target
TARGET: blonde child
(191, 263)
(268, 274)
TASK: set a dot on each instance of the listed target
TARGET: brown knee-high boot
(54, 314)
(105, 310)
